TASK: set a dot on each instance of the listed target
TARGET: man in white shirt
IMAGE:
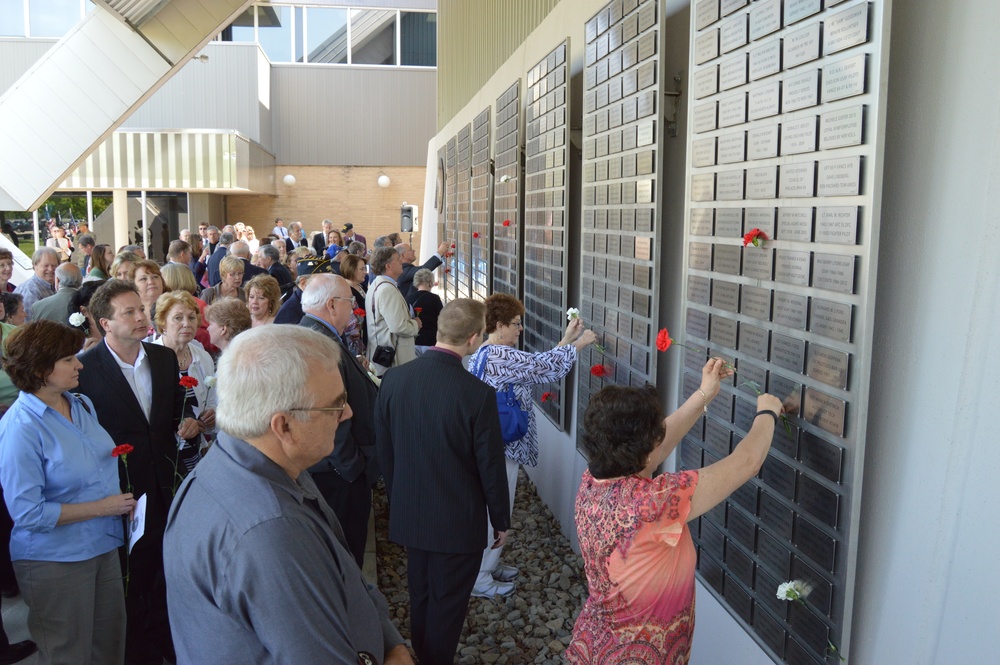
(279, 229)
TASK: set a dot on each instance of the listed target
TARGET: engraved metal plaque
(729, 185)
(706, 13)
(765, 18)
(842, 127)
(798, 180)
(834, 272)
(795, 224)
(698, 290)
(733, 72)
(762, 182)
(814, 543)
(755, 302)
(717, 436)
(846, 29)
(696, 323)
(701, 221)
(837, 225)
(776, 515)
(765, 59)
(733, 148)
(706, 47)
(788, 352)
(839, 177)
(706, 82)
(705, 117)
(824, 411)
(844, 78)
(802, 46)
(733, 110)
(790, 309)
(739, 564)
(730, 6)
(791, 267)
(727, 259)
(758, 262)
(703, 187)
(798, 136)
(723, 331)
(827, 365)
(796, 10)
(831, 319)
(818, 501)
(761, 218)
(779, 476)
(774, 555)
(729, 224)
(733, 33)
(822, 457)
(755, 342)
(725, 295)
(703, 152)
(741, 527)
(765, 100)
(801, 91)
(762, 142)
(722, 407)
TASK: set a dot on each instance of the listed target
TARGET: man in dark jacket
(405, 281)
(291, 309)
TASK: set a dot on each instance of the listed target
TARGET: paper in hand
(137, 525)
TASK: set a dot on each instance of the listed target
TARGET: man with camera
(392, 328)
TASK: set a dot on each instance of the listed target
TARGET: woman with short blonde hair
(263, 299)
(231, 269)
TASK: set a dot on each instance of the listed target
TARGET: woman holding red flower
(61, 485)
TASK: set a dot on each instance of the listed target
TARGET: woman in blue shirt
(61, 485)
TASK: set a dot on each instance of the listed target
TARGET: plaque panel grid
(481, 199)
(442, 197)
(786, 139)
(620, 225)
(546, 238)
(451, 220)
(507, 193)
(462, 267)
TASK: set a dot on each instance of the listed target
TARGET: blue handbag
(513, 419)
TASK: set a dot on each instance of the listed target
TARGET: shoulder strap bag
(513, 419)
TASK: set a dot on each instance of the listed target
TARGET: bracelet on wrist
(704, 401)
(767, 412)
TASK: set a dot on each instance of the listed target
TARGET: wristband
(767, 413)
(704, 401)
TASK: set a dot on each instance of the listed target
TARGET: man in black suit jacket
(241, 250)
(139, 401)
(405, 281)
(270, 259)
(220, 252)
(346, 476)
(442, 458)
(296, 237)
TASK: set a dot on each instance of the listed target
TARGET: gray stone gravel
(531, 626)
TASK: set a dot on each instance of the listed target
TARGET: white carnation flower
(572, 313)
(210, 381)
(504, 178)
(794, 590)
(77, 319)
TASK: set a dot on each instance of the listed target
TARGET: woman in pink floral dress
(634, 538)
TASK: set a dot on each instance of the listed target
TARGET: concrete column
(120, 205)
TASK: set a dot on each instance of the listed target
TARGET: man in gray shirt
(257, 567)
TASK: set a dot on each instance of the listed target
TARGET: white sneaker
(494, 590)
(505, 573)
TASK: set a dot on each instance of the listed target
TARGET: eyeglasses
(325, 409)
(519, 324)
(354, 301)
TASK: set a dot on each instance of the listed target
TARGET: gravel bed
(533, 625)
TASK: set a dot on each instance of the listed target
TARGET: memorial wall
(786, 108)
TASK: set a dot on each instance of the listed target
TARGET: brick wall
(341, 193)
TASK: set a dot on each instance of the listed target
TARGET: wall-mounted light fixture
(289, 180)
(383, 180)
(201, 58)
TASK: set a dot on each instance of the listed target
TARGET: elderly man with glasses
(257, 567)
(346, 476)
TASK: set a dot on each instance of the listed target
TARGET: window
(326, 34)
(12, 20)
(274, 32)
(418, 37)
(242, 30)
(373, 37)
(52, 18)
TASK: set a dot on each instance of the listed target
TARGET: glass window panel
(274, 32)
(373, 37)
(52, 18)
(327, 34)
(419, 39)
(299, 36)
(241, 30)
(12, 19)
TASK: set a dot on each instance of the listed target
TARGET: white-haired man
(241, 250)
(44, 262)
(256, 564)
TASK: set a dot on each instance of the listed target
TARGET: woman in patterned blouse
(506, 365)
(636, 546)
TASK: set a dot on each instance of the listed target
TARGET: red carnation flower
(547, 396)
(447, 270)
(506, 222)
(360, 313)
(122, 450)
(755, 237)
(663, 340)
(453, 245)
(417, 310)
(599, 370)
(189, 382)
(475, 234)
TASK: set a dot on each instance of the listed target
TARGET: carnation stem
(784, 421)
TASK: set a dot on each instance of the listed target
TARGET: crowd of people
(244, 399)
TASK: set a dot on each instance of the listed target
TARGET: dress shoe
(17, 652)
(505, 573)
(494, 590)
